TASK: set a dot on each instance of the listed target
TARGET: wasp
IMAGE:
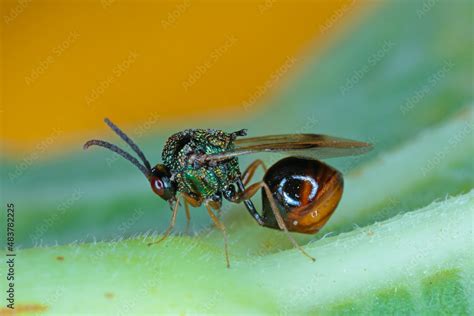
(200, 167)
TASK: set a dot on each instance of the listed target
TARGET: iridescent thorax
(192, 177)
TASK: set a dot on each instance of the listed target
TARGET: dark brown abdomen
(307, 191)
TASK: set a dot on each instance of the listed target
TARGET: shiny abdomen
(307, 191)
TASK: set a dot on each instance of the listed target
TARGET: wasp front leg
(187, 200)
(172, 222)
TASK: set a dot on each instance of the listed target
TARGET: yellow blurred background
(68, 64)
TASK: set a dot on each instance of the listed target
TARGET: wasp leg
(250, 171)
(188, 199)
(188, 216)
(251, 190)
(172, 222)
(231, 195)
(222, 228)
(195, 202)
(216, 203)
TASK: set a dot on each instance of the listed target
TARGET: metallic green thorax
(200, 181)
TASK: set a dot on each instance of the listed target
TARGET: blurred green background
(397, 74)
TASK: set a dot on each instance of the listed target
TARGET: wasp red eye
(157, 186)
(160, 182)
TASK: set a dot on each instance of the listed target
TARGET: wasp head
(158, 176)
(161, 184)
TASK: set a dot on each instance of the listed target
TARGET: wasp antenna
(130, 142)
(119, 151)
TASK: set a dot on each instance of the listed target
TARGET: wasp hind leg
(250, 171)
(249, 192)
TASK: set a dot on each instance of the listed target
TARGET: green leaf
(415, 262)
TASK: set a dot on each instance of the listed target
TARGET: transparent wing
(307, 145)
